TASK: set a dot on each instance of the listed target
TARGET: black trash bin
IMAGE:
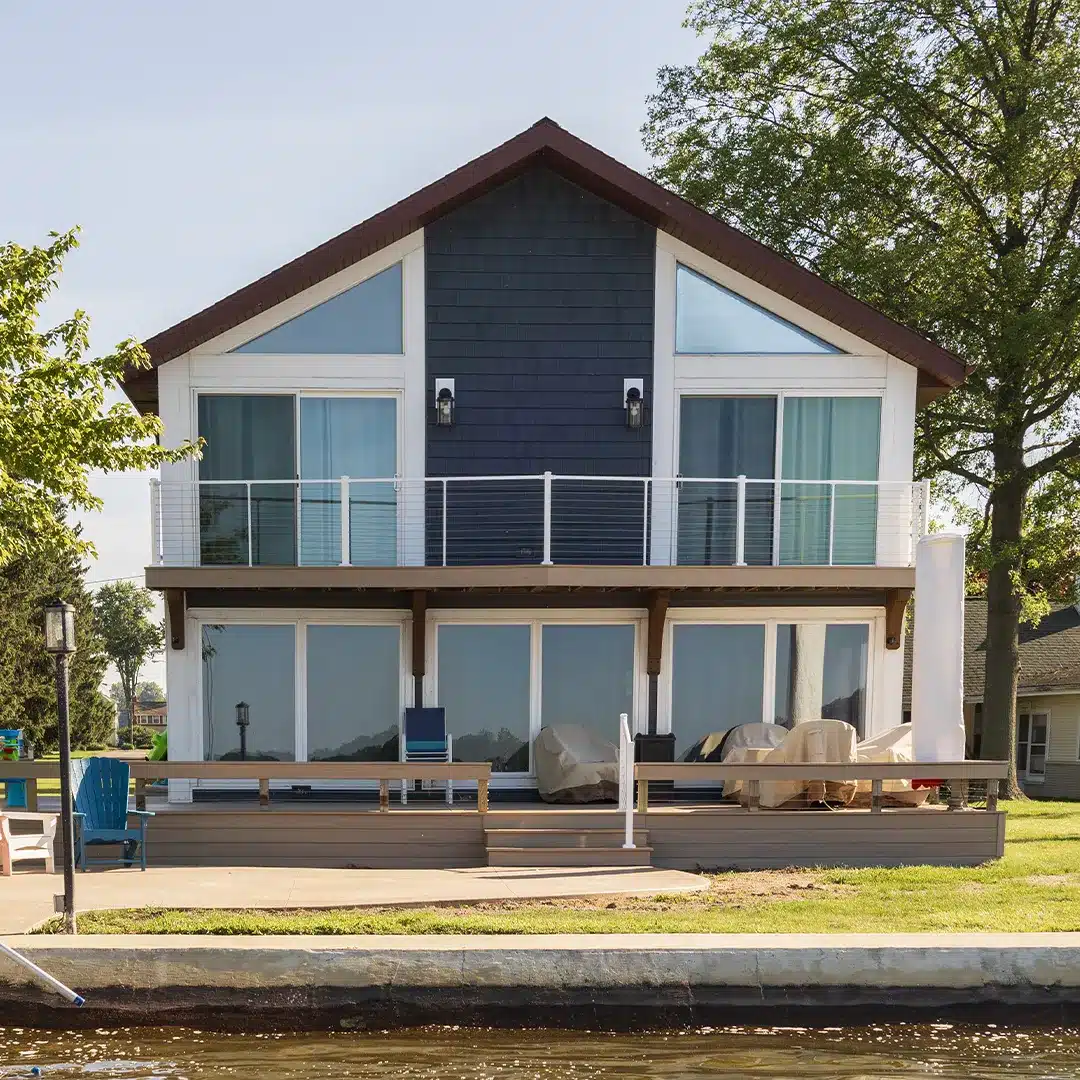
(656, 748)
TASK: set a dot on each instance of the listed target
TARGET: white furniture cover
(895, 744)
(812, 741)
(749, 743)
(575, 765)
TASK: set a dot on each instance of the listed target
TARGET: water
(889, 1052)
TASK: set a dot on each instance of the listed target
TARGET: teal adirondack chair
(99, 788)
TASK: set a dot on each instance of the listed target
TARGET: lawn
(1036, 886)
(52, 787)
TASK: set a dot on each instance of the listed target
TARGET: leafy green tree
(146, 693)
(54, 427)
(925, 156)
(131, 637)
(28, 672)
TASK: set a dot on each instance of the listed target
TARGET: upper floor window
(712, 319)
(365, 319)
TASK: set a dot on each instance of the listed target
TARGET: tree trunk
(1003, 629)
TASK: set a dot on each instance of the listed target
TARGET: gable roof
(545, 143)
(1049, 653)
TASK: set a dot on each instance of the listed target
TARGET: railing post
(547, 520)
(444, 522)
(740, 521)
(832, 518)
(156, 541)
(626, 779)
(778, 499)
(346, 523)
(248, 486)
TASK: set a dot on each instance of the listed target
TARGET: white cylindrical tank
(937, 668)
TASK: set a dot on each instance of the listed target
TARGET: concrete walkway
(26, 899)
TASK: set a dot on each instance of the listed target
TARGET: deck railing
(544, 519)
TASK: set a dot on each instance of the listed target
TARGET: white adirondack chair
(24, 846)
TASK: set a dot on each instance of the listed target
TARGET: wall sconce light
(634, 402)
(444, 402)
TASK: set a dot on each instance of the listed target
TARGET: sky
(200, 145)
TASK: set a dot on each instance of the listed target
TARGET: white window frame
(536, 619)
(300, 619)
(1031, 711)
(771, 618)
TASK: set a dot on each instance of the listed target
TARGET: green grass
(1036, 886)
(52, 787)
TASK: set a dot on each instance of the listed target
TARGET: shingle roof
(1049, 652)
(545, 143)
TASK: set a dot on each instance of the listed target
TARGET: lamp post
(60, 641)
(242, 721)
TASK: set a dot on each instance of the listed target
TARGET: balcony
(542, 520)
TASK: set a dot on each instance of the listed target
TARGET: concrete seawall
(596, 981)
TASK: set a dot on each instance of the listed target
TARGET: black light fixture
(634, 403)
(444, 402)
(60, 641)
(243, 718)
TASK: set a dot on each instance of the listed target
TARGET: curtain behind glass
(248, 437)
(354, 437)
(829, 439)
(725, 437)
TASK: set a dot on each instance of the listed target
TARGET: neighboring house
(152, 715)
(542, 443)
(1047, 700)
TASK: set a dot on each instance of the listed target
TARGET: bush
(143, 738)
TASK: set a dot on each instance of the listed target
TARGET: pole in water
(44, 976)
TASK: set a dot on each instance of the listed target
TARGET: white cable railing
(545, 519)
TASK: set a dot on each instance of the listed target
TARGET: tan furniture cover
(575, 765)
(810, 742)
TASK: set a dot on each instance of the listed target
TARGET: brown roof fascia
(593, 170)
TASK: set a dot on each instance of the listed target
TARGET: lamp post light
(60, 641)
(242, 721)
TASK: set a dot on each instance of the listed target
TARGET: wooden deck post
(642, 796)
(753, 796)
(140, 793)
(264, 792)
(656, 604)
(875, 796)
(31, 795)
(991, 795)
(482, 796)
(384, 796)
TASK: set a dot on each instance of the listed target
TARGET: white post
(937, 670)
(626, 779)
(547, 520)
(248, 487)
(444, 522)
(156, 541)
(832, 519)
(645, 526)
(346, 524)
(740, 521)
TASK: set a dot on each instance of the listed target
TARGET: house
(1047, 702)
(154, 714)
(541, 443)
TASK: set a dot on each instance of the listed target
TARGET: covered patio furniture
(99, 788)
(812, 742)
(894, 744)
(575, 765)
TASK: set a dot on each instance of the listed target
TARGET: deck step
(590, 839)
(569, 856)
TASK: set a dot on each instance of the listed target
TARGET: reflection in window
(829, 439)
(484, 687)
(362, 320)
(821, 673)
(255, 665)
(353, 692)
(717, 681)
(588, 677)
(712, 319)
(354, 437)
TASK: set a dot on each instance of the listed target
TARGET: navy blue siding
(539, 304)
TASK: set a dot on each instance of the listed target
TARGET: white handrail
(626, 779)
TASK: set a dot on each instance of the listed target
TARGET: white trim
(317, 294)
(1024, 775)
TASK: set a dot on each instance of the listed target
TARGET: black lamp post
(242, 721)
(60, 641)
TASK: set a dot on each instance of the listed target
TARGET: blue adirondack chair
(99, 788)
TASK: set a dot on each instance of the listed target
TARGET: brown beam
(419, 643)
(896, 601)
(656, 603)
(174, 603)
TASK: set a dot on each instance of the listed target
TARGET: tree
(54, 427)
(924, 155)
(146, 693)
(122, 613)
(28, 672)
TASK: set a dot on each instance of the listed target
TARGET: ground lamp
(60, 641)
(243, 718)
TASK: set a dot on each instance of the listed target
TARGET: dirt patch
(1054, 879)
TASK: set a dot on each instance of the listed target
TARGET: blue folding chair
(426, 739)
(100, 791)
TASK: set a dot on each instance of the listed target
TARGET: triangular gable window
(712, 319)
(362, 320)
